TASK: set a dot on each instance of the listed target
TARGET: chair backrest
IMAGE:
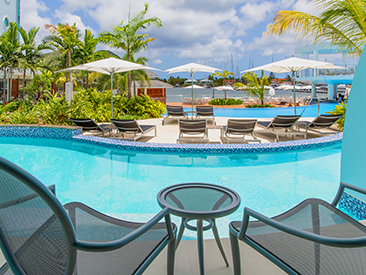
(205, 110)
(193, 127)
(324, 120)
(175, 110)
(86, 124)
(36, 234)
(283, 121)
(240, 126)
(127, 125)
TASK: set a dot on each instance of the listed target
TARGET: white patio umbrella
(224, 88)
(194, 87)
(109, 66)
(294, 64)
(192, 68)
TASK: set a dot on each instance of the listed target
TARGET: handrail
(311, 100)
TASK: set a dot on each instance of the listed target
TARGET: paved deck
(169, 132)
(186, 260)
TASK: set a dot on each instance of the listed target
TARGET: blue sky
(203, 31)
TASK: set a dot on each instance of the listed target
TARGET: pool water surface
(125, 184)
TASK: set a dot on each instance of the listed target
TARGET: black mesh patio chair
(319, 124)
(239, 127)
(282, 125)
(40, 236)
(89, 125)
(193, 131)
(313, 238)
(206, 112)
(133, 128)
(174, 112)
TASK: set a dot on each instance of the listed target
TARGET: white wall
(9, 9)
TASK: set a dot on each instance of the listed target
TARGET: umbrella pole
(111, 95)
(294, 81)
(192, 92)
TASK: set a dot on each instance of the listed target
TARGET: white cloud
(30, 16)
(157, 61)
(307, 6)
(66, 17)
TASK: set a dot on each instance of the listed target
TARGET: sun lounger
(319, 123)
(239, 127)
(282, 126)
(314, 237)
(133, 128)
(89, 125)
(206, 112)
(41, 236)
(193, 131)
(174, 112)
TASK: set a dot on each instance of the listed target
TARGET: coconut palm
(341, 22)
(31, 51)
(128, 38)
(225, 74)
(64, 39)
(10, 52)
(86, 52)
(255, 86)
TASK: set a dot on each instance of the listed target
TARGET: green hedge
(222, 101)
(260, 106)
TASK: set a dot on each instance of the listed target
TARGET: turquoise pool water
(310, 111)
(125, 184)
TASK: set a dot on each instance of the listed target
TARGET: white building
(9, 12)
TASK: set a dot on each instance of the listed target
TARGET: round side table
(201, 202)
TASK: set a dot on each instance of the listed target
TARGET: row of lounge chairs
(39, 235)
(234, 131)
(177, 112)
(128, 127)
(281, 125)
(197, 130)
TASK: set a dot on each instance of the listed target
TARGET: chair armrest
(52, 188)
(108, 246)
(342, 187)
(337, 242)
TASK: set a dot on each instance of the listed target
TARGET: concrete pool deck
(169, 132)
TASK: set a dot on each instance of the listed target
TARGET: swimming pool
(125, 183)
(311, 111)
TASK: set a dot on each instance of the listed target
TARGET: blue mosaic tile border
(214, 148)
(39, 132)
(75, 135)
(353, 206)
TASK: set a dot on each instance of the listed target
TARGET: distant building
(9, 12)
(331, 78)
(157, 89)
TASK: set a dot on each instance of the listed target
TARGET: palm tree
(342, 22)
(31, 51)
(255, 86)
(225, 74)
(126, 37)
(64, 39)
(140, 75)
(10, 52)
(86, 52)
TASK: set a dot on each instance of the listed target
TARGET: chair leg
(171, 257)
(236, 253)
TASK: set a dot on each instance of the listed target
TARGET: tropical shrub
(52, 109)
(340, 109)
(260, 106)
(229, 101)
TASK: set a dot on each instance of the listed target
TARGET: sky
(211, 32)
